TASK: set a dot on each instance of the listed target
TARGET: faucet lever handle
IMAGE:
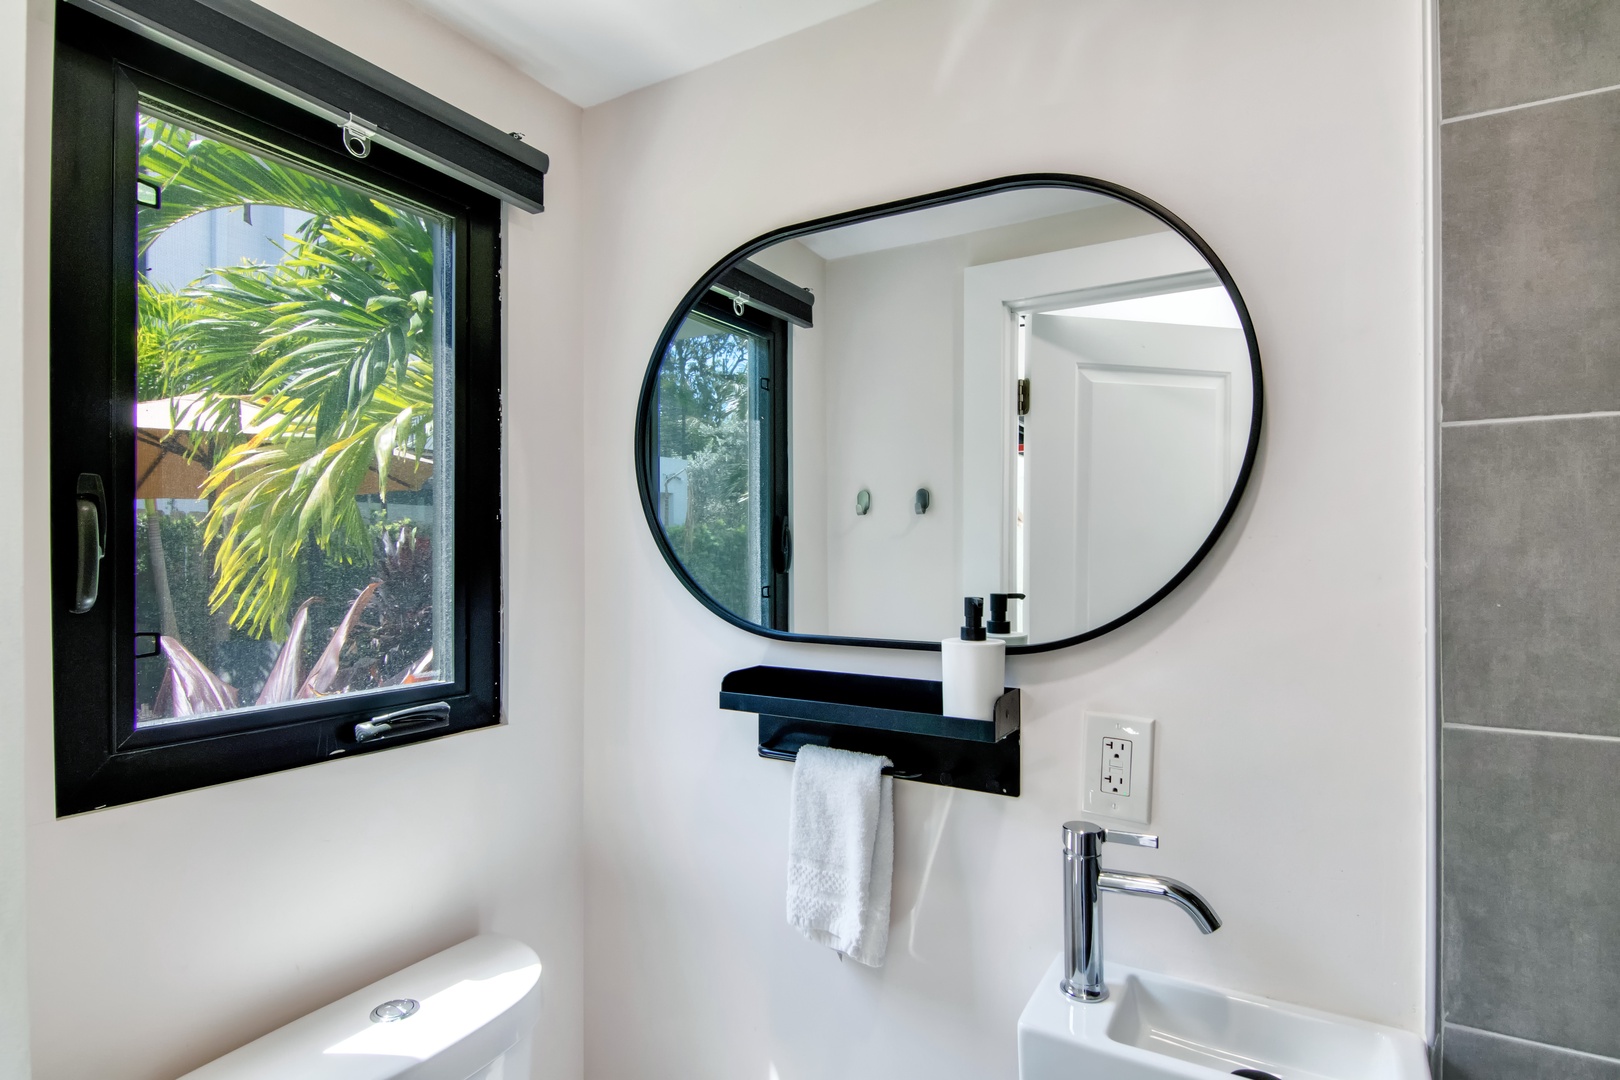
(1082, 839)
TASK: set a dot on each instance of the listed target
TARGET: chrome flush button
(398, 1009)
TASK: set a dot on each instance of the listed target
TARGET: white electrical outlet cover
(1118, 778)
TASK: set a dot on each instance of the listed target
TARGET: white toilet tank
(464, 1014)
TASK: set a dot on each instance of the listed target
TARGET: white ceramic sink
(1153, 1027)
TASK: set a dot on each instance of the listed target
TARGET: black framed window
(721, 455)
(275, 432)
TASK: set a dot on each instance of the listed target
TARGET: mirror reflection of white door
(1128, 458)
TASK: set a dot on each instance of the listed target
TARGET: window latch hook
(357, 135)
(739, 302)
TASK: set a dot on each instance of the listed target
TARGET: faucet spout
(1084, 882)
(1163, 888)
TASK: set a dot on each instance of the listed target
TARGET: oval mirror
(1040, 385)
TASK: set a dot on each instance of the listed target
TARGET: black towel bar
(793, 755)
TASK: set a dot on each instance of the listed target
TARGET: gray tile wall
(1530, 538)
(1479, 1055)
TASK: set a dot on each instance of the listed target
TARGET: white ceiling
(590, 51)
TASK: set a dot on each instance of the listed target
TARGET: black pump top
(998, 622)
(973, 618)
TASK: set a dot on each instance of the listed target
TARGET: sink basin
(1153, 1027)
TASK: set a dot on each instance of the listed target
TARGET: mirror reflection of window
(718, 453)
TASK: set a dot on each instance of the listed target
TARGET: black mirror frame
(649, 390)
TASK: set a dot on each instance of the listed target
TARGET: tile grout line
(1600, 415)
(1533, 731)
(1532, 1042)
(1529, 104)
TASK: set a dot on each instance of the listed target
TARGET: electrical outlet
(1118, 779)
(1116, 767)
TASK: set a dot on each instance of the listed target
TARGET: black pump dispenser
(998, 622)
(973, 618)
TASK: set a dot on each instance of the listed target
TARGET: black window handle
(408, 721)
(90, 523)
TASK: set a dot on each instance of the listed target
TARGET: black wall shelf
(900, 719)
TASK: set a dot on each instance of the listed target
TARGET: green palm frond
(199, 173)
(266, 498)
(159, 351)
(331, 350)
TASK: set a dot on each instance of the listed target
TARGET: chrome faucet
(1084, 882)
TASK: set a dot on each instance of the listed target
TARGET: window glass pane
(293, 493)
(710, 458)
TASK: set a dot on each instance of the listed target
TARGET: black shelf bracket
(900, 719)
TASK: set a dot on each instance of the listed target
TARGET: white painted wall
(164, 933)
(19, 186)
(893, 333)
(1289, 135)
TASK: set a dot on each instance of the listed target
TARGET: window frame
(102, 759)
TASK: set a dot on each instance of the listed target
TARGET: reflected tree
(704, 419)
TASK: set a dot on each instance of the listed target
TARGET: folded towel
(841, 851)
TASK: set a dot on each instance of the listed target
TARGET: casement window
(275, 427)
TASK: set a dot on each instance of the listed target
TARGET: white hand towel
(841, 851)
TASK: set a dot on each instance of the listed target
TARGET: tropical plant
(198, 173)
(190, 688)
(294, 383)
(376, 642)
(702, 381)
(703, 420)
(303, 377)
(162, 314)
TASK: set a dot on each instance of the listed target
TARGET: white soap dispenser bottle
(974, 667)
